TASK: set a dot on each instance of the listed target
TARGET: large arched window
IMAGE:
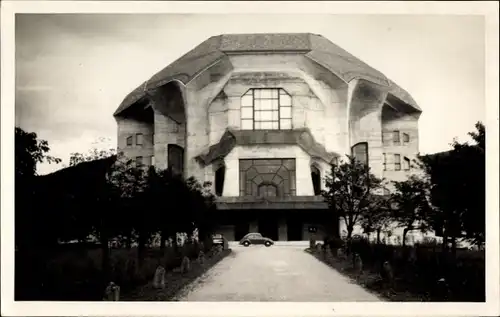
(176, 158)
(360, 152)
(316, 180)
(266, 109)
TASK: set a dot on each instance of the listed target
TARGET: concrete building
(262, 116)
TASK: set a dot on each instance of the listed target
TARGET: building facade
(262, 117)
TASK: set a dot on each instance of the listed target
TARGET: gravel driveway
(278, 273)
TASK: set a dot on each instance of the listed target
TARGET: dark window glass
(360, 152)
(176, 158)
(395, 137)
(130, 140)
(219, 180)
(406, 138)
(397, 162)
(316, 180)
(138, 161)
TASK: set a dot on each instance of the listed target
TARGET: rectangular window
(386, 138)
(130, 140)
(138, 161)
(395, 137)
(397, 162)
(139, 139)
(147, 160)
(153, 160)
(385, 161)
(406, 164)
(266, 109)
(406, 138)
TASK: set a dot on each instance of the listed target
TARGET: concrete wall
(319, 98)
(167, 131)
(130, 127)
(393, 120)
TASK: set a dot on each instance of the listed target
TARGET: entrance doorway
(240, 230)
(268, 227)
(294, 229)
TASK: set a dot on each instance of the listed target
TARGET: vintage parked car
(255, 238)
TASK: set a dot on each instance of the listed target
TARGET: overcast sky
(72, 71)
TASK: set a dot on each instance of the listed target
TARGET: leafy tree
(412, 209)
(29, 151)
(92, 155)
(380, 219)
(350, 192)
(458, 188)
(203, 206)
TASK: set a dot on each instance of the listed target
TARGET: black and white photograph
(248, 157)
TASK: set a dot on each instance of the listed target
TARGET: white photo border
(11, 308)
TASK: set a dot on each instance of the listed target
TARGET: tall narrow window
(406, 164)
(397, 162)
(130, 140)
(360, 152)
(220, 174)
(266, 109)
(316, 180)
(139, 139)
(138, 161)
(176, 158)
(406, 138)
(395, 137)
(385, 161)
(153, 160)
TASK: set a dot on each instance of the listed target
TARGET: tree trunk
(162, 240)
(378, 235)
(105, 254)
(141, 248)
(405, 232)
(350, 229)
(445, 243)
(454, 247)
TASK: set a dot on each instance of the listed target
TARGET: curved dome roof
(312, 46)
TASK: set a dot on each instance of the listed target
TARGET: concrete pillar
(365, 124)
(282, 230)
(254, 226)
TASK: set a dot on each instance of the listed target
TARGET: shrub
(464, 276)
(77, 275)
